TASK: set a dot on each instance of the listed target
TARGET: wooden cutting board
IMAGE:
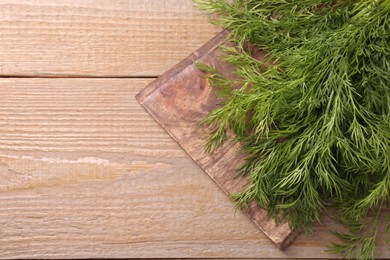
(179, 100)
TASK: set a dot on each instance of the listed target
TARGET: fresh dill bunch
(313, 116)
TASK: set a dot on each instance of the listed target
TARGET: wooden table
(84, 170)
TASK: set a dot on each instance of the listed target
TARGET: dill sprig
(313, 116)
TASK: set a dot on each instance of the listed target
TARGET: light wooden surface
(104, 38)
(84, 170)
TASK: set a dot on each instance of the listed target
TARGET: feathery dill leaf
(318, 134)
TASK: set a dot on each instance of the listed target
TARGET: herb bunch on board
(314, 115)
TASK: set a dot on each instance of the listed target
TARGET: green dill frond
(313, 114)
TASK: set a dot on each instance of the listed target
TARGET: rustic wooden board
(179, 100)
(121, 38)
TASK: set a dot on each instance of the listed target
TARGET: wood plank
(124, 38)
(86, 172)
(179, 100)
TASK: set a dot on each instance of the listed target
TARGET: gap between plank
(80, 77)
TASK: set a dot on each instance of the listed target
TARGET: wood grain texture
(179, 100)
(86, 172)
(100, 38)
